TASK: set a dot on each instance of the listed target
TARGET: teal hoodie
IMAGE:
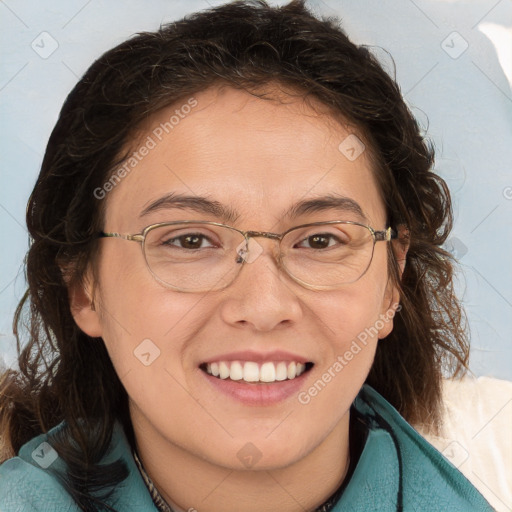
(398, 470)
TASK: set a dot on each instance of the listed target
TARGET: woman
(235, 277)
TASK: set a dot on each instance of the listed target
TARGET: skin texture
(256, 157)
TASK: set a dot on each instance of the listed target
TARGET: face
(256, 159)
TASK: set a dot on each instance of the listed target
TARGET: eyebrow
(196, 203)
(204, 205)
(330, 202)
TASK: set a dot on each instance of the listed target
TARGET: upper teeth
(250, 371)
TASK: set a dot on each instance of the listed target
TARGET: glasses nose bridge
(263, 234)
(275, 251)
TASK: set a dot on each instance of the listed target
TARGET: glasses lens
(193, 256)
(327, 255)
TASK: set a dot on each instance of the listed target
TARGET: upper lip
(258, 357)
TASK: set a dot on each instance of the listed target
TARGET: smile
(253, 372)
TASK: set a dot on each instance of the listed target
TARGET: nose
(262, 297)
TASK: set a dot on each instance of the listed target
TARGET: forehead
(257, 157)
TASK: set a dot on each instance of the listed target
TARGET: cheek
(347, 321)
(351, 334)
(147, 331)
(145, 325)
(350, 320)
(352, 311)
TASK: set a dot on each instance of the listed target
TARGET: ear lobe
(82, 306)
(389, 309)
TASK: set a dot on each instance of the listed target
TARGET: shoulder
(27, 484)
(411, 473)
(35, 479)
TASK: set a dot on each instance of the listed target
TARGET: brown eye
(320, 241)
(189, 241)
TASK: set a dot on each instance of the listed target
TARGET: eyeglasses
(199, 256)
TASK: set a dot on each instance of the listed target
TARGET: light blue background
(465, 94)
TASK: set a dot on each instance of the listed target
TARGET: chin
(258, 453)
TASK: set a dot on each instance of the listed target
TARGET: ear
(400, 246)
(81, 302)
(391, 301)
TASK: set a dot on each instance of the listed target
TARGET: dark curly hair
(65, 375)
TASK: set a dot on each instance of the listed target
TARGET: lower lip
(261, 393)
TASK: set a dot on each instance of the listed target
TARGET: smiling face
(195, 364)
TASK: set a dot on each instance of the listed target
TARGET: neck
(187, 482)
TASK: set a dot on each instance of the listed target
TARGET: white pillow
(476, 435)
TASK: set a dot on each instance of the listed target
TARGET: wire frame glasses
(199, 256)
